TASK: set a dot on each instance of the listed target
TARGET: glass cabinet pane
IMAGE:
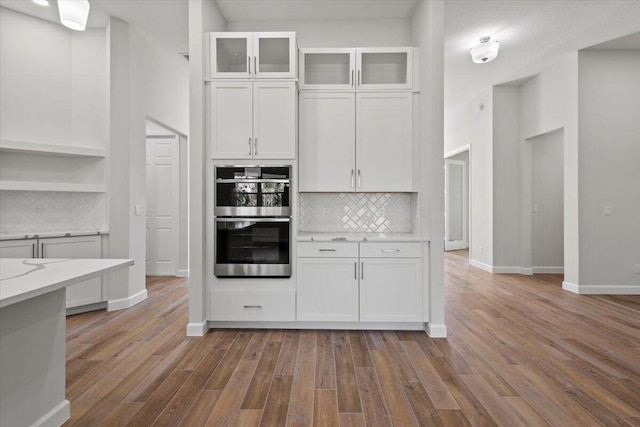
(383, 68)
(274, 55)
(231, 55)
(327, 68)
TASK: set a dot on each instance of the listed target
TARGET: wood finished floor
(520, 352)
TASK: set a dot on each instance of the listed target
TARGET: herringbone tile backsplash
(355, 212)
(32, 211)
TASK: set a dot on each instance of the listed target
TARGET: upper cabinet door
(274, 120)
(274, 55)
(384, 68)
(327, 69)
(384, 142)
(231, 55)
(327, 132)
(230, 120)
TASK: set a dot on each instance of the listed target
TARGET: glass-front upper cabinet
(356, 68)
(269, 55)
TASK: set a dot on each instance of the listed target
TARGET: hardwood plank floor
(521, 351)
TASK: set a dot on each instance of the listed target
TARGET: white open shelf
(52, 186)
(50, 149)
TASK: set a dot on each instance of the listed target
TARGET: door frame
(467, 238)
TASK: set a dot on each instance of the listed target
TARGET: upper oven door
(253, 247)
(253, 191)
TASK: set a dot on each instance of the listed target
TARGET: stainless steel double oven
(252, 212)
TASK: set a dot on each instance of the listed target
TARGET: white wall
(336, 33)
(204, 16)
(609, 132)
(427, 28)
(53, 82)
(506, 166)
(547, 168)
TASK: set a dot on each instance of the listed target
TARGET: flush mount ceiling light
(486, 51)
(41, 2)
(74, 13)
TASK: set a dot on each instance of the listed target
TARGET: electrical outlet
(138, 210)
(481, 249)
(636, 268)
(607, 210)
(535, 208)
(324, 211)
(37, 209)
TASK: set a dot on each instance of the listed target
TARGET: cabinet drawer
(391, 250)
(229, 305)
(327, 250)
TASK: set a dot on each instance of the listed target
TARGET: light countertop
(22, 279)
(45, 234)
(360, 237)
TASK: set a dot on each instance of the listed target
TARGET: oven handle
(251, 180)
(252, 219)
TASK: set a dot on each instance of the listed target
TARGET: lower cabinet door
(390, 290)
(327, 289)
(89, 291)
(25, 248)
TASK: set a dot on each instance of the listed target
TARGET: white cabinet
(382, 284)
(25, 248)
(268, 55)
(356, 68)
(356, 142)
(89, 291)
(243, 305)
(328, 282)
(327, 141)
(252, 120)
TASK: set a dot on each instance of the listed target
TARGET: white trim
(55, 417)
(182, 273)
(119, 304)
(548, 270)
(601, 290)
(394, 326)
(506, 270)
(457, 151)
(481, 265)
(436, 331)
(197, 329)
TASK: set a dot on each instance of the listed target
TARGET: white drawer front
(229, 305)
(327, 250)
(390, 250)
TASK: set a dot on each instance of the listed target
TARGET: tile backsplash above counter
(40, 211)
(355, 212)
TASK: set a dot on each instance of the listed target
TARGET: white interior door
(455, 189)
(163, 201)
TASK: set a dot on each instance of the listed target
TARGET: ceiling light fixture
(74, 13)
(486, 51)
(41, 2)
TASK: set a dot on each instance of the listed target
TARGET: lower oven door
(253, 247)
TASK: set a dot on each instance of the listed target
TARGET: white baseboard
(436, 331)
(197, 329)
(601, 290)
(119, 304)
(481, 265)
(392, 326)
(182, 273)
(55, 417)
(548, 270)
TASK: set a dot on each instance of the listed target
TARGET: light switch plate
(138, 210)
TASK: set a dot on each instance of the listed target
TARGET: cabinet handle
(33, 250)
(359, 181)
(249, 146)
(255, 146)
(41, 250)
(391, 250)
(358, 78)
(353, 183)
(362, 271)
(255, 65)
(351, 82)
(249, 64)
(252, 306)
(326, 250)
(355, 270)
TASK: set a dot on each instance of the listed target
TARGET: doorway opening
(167, 231)
(457, 199)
